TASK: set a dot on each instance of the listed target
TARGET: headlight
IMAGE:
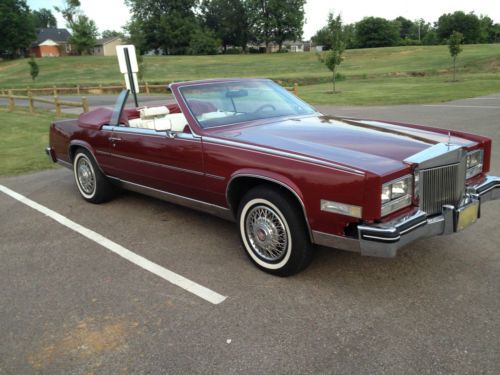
(396, 194)
(386, 194)
(474, 161)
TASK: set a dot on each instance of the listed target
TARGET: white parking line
(172, 277)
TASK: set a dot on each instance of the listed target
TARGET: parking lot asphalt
(70, 306)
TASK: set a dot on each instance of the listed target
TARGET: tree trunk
(454, 68)
(334, 80)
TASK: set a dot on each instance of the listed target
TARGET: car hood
(374, 146)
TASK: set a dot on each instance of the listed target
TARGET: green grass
(396, 75)
(402, 90)
(303, 67)
(24, 138)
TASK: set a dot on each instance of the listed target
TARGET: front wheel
(91, 182)
(273, 231)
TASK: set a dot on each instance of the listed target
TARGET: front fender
(271, 177)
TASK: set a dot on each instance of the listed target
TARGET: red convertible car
(248, 150)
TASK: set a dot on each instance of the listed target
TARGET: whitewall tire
(92, 184)
(273, 232)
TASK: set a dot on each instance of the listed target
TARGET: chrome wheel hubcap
(86, 176)
(266, 233)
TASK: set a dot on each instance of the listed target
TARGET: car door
(155, 160)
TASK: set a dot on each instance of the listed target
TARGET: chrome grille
(440, 186)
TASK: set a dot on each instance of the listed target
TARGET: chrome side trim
(151, 163)
(151, 132)
(283, 154)
(276, 182)
(65, 164)
(337, 242)
(222, 212)
(215, 177)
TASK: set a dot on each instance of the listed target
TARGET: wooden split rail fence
(56, 101)
(89, 90)
(11, 95)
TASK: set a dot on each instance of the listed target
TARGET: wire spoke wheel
(86, 176)
(266, 233)
(273, 233)
(90, 181)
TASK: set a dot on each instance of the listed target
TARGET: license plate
(467, 216)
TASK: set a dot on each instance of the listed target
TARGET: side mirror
(162, 124)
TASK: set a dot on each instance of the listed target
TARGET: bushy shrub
(410, 42)
(232, 51)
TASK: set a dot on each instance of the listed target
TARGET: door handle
(114, 139)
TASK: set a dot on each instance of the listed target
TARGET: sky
(113, 14)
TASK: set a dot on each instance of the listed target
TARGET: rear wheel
(92, 184)
(273, 231)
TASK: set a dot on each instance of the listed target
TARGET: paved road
(68, 305)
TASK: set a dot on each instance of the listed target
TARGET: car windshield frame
(237, 91)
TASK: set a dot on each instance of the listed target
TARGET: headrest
(153, 112)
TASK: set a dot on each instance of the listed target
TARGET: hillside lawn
(23, 141)
(395, 75)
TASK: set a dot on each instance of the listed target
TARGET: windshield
(216, 104)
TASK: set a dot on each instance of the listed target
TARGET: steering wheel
(263, 106)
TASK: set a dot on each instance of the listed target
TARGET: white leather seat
(175, 122)
(153, 112)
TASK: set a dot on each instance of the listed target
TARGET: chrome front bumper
(384, 240)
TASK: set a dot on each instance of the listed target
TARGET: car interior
(159, 119)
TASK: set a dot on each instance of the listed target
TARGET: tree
(288, 20)
(455, 46)
(173, 33)
(69, 11)
(276, 20)
(34, 69)
(467, 24)
(406, 28)
(376, 32)
(228, 20)
(84, 34)
(322, 38)
(17, 28)
(141, 66)
(136, 36)
(43, 19)
(204, 43)
(431, 38)
(112, 34)
(349, 36)
(163, 25)
(260, 20)
(486, 30)
(333, 58)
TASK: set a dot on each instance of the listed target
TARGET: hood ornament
(449, 139)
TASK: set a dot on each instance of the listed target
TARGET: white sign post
(128, 66)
